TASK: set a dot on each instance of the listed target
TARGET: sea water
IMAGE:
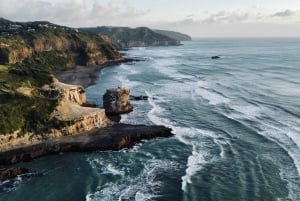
(236, 122)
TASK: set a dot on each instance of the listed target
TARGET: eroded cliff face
(78, 119)
(64, 92)
(69, 109)
(78, 48)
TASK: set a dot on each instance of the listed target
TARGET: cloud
(285, 13)
(226, 17)
(72, 12)
(239, 23)
(255, 15)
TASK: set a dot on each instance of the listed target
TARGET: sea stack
(117, 101)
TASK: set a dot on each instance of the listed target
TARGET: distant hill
(175, 35)
(125, 37)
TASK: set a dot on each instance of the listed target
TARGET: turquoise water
(236, 120)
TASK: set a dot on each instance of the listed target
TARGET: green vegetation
(27, 59)
(141, 36)
(26, 113)
(175, 35)
(3, 68)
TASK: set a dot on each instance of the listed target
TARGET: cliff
(42, 115)
(175, 35)
(74, 48)
(67, 117)
(29, 53)
(124, 37)
(116, 137)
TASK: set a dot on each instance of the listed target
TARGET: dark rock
(115, 118)
(138, 97)
(215, 57)
(115, 137)
(117, 101)
(9, 173)
(89, 104)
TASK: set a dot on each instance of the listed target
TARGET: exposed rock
(111, 138)
(138, 97)
(85, 118)
(75, 119)
(9, 173)
(26, 91)
(215, 57)
(117, 101)
(69, 108)
(77, 48)
(89, 104)
(70, 93)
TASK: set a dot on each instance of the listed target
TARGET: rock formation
(8, 173)
(69, 93)
(76, 48)
(215, 57)
(138, 98)
(75, 118)
(117, 101)
(115, 137)
(70, 109)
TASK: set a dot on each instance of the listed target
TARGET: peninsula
(39, 114)
(125, 37)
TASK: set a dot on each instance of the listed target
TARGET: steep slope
(124, 37)
(29, 52)
(77, 48)
(175, 35)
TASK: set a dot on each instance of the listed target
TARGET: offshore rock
(117, 101)
(137, 98)
(215, 57)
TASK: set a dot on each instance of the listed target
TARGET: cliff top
(125, 35)
(29, 53)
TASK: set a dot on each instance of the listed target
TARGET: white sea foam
(202, 84)
(246, 111)
(11, 184)
(197, 138)
(212, 97)
(106, 168)
(142, 187)
(126, 82)
(156, 111)
(288, 140)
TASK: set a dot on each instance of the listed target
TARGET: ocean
(236, 122)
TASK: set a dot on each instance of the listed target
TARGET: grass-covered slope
(175, 35)
(125, 37)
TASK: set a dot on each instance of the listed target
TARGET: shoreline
(86, 75)
(110, 138)
(113, 138)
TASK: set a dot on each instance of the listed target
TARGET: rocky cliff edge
(74, 117)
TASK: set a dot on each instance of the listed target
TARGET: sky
(198, 18)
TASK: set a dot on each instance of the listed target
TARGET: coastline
(86, 75)
(110, 138)
(113, 138)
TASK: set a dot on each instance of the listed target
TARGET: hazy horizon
(199, 19)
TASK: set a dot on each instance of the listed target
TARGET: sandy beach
(85, 75)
